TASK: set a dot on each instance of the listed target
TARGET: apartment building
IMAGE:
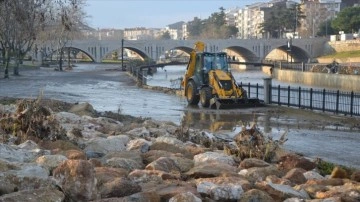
(248, 20)
(317, 12)
(109, 34)
(185, 32)
(141, 33)
(175, 30)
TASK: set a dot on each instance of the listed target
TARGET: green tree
(214, 27)
(325, 29)
(348, 20)
(282, 19)
(166, 35)
(195, 27)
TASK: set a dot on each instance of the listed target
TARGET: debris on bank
(76, 154)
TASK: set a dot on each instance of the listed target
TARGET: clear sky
(122, 14)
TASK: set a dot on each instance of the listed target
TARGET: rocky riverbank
(56, 151)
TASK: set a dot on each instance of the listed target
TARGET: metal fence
(304, 67)
(336, 101)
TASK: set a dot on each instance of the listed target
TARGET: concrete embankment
(335, 81)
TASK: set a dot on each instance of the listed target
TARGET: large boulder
(140, 144)
(255, 195)
(127, 164)
(253, 162)
(77, 180)
(34, 195)
(281, 192)
(220, 191)
(255, 174)
(50, 161)
(214, 157)
(296, 176)
(152, 155)
(211, 169)
(24, 176)
(173, 148)
(144, 176)
(18, 154)
(83, 109)
(106, 145)
(106, 174)
(187, 196)
(119, 187)
(290, 161)
(171, 164)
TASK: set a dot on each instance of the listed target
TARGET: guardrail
(339, 102)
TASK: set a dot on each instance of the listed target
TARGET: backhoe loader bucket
(217, 103)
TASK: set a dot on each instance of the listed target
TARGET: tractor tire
(191, 95)
(205, 96)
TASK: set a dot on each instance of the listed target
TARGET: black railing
(336, 101)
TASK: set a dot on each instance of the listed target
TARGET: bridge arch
(184, 48)
(85, 52)
(246, 54)
(294, 54)
(137, 51)
(55, 51)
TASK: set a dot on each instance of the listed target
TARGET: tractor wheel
(205, 96)
(191, 95)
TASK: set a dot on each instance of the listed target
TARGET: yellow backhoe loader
(208, 79)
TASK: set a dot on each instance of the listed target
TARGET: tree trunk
(61, 60)
(3, 56)
(68, 54)
(7, 60)
(16, 67)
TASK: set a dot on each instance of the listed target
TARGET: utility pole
(296, 19)
(122, 55)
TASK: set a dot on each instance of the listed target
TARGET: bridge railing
(296, 66)
(176, 83)
(338, 102)
(139, 75)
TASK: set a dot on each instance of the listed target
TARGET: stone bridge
(251, 50)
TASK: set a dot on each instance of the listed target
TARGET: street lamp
(288, 50)
(296, 18)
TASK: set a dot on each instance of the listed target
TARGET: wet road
(315, 135)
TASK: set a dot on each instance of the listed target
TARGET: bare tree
(66, 18)
(5, 34)
(24, 22)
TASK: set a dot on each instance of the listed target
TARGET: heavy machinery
(208, 79)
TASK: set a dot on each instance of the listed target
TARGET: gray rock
(16, 154)
(35, 195)
(106, 145)
(77, 180)
(215, 157)
(119, 187)
(128, 164)
(188, 197)
(93, 154)
(220, 192)
(50, 161)
(141, 145)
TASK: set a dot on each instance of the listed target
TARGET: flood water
(112, 90)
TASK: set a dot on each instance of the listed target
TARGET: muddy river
(333, 138)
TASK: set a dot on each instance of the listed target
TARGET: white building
(317, 12)
(140, 33)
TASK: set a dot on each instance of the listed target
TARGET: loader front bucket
(217, 103)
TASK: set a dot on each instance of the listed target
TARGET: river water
(112, 90)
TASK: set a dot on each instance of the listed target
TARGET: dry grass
(252, 143)
(32, 120)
